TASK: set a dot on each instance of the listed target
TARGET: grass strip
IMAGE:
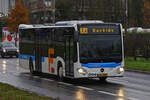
(8, 92)
(139, 64)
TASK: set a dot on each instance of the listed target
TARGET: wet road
(133, 86)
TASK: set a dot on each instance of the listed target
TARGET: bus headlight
(17, 50)
(121, 70)
(4, 50)
(82, 71)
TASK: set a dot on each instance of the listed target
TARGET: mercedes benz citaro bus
(73, 49)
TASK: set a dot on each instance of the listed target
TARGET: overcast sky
(4, 6)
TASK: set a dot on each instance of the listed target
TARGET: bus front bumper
(97, 72)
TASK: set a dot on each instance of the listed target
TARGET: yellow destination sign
(94, 30)
(83, 30)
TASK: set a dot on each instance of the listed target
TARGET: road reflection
(17, 65)
(4, 68)
(80, 95)
(4, 62)
(121, 94)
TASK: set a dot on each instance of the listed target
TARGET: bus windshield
(100, 48)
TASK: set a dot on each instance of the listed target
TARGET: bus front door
(69, 56)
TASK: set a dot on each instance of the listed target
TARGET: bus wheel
(102, 79)
(31, 66)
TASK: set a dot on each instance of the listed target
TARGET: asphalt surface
(133, 86)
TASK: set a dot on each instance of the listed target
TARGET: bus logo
(83, 30)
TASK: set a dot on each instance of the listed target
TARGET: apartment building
(41, 11)
(5, 5)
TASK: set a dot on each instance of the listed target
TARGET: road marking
(36, 76)
(118, 80)
(108, 93)
(85, 88)
(27, 75)
(65, 83)
(47, 79)
(16, 74)
(112, 94)
(130, 98)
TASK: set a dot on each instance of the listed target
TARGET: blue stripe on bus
(101, 65)
(26, 57)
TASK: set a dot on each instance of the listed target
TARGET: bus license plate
(103, 75)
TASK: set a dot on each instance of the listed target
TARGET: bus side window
(53, 35)
(59, 35)
(49, 34)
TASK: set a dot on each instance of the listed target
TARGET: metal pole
(53, 11)
(44, 8)
(126, 16)
(82, 11)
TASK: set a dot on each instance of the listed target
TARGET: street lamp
(49, 4)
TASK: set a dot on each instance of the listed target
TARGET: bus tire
(102, 79)
(60, 72)
(31, 66)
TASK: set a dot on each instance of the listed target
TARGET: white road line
(26, 75)
(16, 74)
(47, 79)
(65, 83)
(112, 94)
(130, 98)
(108, 93)
(85, 88)
(118, 80)
(36, 76)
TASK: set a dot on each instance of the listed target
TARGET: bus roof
(26, 26)
(30, 26)
(78, 22)
(62, 24)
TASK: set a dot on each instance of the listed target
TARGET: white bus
(73, 49)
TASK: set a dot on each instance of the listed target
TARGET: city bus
(73, 49)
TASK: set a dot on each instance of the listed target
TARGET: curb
(137, 71)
